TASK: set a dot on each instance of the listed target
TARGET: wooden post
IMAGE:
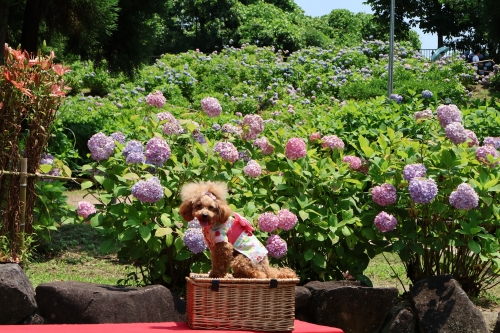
(23, 185)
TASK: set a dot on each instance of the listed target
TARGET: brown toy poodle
(228, 235)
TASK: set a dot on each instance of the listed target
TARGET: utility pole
(391, 52)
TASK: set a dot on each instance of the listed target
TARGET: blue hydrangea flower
(427, 94)
(148, 191)
(194, 240)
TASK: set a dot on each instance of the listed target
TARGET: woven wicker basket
(240, 304)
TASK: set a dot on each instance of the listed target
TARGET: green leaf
(96, 220)
(145, 232)
(128, 234)
(178, 243)
(107, 245)
(183, 254)
(364, 279)
(87, 184)
(165, 220)
(45, 168)
(131, 176)
(351, 241)
(303, 215)
(309, 254)
(474, 246)
(160, 232)
(319, 260)
(169, 239)
(495, 188)
(417, 248)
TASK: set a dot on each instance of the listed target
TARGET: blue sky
(322, 7)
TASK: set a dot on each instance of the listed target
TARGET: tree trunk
(4, 16)
(31, 24)
(440, 40)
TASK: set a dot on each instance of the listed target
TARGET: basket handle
(215, 285)
(273, 283)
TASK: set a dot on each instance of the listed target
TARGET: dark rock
(17, 292)
(442, 306)
(402, 322)
(302, 298)
(33, 319)
(86, 303)
(496, 329)
(350, 306)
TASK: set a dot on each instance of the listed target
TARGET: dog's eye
(212, 208)
(199, 206)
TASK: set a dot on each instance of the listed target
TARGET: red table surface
(300, 327)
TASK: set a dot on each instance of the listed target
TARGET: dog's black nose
(204, 216)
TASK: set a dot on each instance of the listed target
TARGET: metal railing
(427, 53)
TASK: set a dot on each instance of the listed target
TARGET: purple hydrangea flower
(492, 141)
(295, 148)
(101, 146)
(471, 138)
(47, 159)
(135, 158)
(172, 128)
(166, 116)
(85, 209)
(133, 146)
(216, 127)
(157, 151)
(149, 190)
(287, 219)
(464, 197)
(447, 114)
(422, 190)
(194, 223)
(268, 222)
(211, 106)
(253, 125)
(456, 133)
(483, 152)
(195, 241)
(276, 246)
(411, 171)
(252, 169)
(332, 142)
(118, 136)
(397, 98)
(227, 151)
(385, 222)
(228, 128)
(354, 161)
(426, 114)
(156, 99)
(384, 194)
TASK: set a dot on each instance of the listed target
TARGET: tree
(432, 16)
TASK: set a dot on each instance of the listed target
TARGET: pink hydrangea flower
(426, 114)
(264, 145)
(384, 194)
(227, 151)
(315, 136)
(287, 219)
(252, 169)
(85, 209)
(276, 246)
(332, 142)
(211, 106)
(471, 138)
(492, 141)
(156, 99)
(253, 125)
(157, 151)
(354, 161)
(295, 148)
(268, 222)
(385, 222)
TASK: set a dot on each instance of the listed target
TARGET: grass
(73, 255)
(483, 93)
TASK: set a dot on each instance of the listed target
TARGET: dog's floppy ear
(186, 210)
(224, 211)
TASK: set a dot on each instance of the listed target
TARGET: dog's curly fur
(211, 209)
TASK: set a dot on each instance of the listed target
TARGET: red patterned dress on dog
(238, 232)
